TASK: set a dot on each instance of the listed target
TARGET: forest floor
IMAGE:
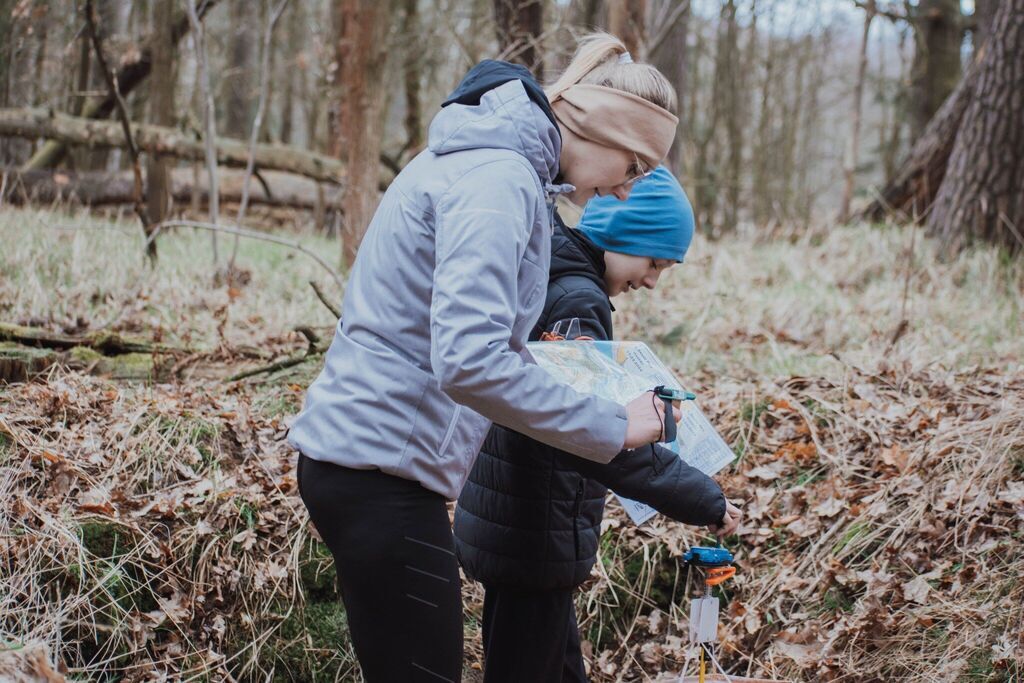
(874, 396)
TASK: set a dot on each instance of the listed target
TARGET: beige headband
(617, 119)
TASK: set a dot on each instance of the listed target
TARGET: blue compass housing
(703, 556)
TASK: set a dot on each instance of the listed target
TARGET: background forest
(183, 187)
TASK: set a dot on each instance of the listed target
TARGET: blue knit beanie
(656, 221)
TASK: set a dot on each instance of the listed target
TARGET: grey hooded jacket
(450, 279)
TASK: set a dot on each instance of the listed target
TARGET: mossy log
(19, 363)
(106, 343)
(27, 351)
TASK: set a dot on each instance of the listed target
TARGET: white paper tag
(704, 620)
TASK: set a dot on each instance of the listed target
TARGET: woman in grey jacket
(450, 278)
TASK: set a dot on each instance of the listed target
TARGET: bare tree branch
(324, 300)
(122, 113)
(252, 234)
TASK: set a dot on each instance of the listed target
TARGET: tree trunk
(914, 185)
(161, 108)
(362, 50)
(239, 85)
(411, 75)
(938, 32)
(733, 106)
(519, 24)
(587, 14)
(295, 62)
(670, 57)
(984, 11)
(982, 195)
(6, 50)
(626, 20)
(112, 26)
(129, 75)
(41, 20)
(853, 153)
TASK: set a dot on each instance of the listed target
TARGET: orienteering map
(621, 371)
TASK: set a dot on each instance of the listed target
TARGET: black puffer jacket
(530, 515)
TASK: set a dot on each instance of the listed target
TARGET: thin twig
(324, 300)
(256, 125)
(209, 123)
(252, 234)
(122, 113)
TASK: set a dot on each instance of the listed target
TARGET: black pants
(531, 636)
(392, 546)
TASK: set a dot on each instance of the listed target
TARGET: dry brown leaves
(154, 532)
(883, 535)
(146, 531)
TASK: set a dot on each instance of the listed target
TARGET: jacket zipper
(576, 516)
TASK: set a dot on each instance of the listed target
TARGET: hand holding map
(622, 371)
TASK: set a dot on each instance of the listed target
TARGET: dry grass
(156, 528)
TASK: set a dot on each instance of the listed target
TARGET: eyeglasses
(636, 171)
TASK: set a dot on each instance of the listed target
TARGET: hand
(645, 420)
(729, 522)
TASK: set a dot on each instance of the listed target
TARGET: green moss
(128, 366)
(312, 644)
(317, 573)
(103, 539)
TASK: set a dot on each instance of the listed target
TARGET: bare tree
(627, 21)
(853, 151)
(982, 194)
(209, 118)
(161, 106)
(668, 51)
(938, 33)
(238, 87)
(518, 26)
(362, 52)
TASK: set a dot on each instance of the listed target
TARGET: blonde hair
(596, 62)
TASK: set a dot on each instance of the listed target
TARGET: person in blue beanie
(528, 521)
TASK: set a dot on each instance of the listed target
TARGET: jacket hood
(499, 106)
(572, 253)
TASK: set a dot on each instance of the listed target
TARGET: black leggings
(392, 546)
(531, 635)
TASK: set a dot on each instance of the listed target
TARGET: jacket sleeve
(483, 224)
(658, 477)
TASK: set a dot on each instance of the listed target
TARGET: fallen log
(20, 363)
(129, 75)
(107, 343)
(41, 123)
(100, 188)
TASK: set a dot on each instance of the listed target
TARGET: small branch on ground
(324, 300)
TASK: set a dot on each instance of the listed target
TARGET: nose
(651, 280)
(621, 192)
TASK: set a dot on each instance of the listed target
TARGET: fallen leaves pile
(152, 532)
(883, 536)
(155, 532)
